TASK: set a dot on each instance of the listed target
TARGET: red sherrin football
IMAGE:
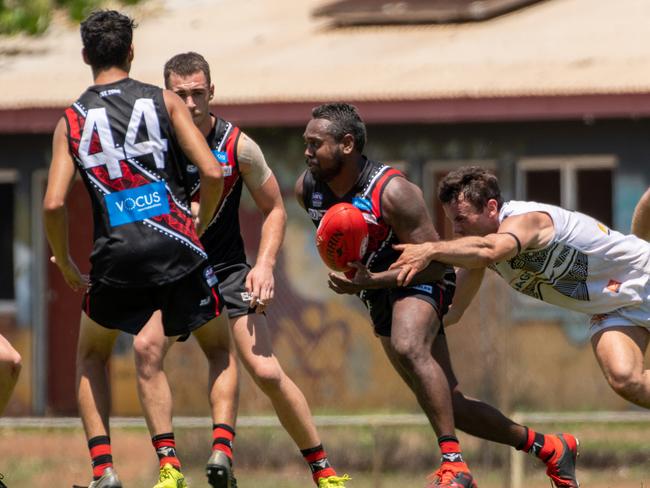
(342, 236)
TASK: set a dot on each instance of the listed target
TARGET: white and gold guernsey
(586, 267)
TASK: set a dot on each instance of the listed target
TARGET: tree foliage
(33, 16)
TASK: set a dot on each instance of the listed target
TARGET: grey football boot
(109, 479)
(219, 471)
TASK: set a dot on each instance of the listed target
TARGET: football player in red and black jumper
(407, 320)
(127, 139)
(247, 291)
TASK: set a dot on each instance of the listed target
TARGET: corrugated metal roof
(368, 12)
(275, 51)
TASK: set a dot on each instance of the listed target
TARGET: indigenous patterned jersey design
(122, 141)
(366, 195)
(586, 267)
(222, 239)
(569, 271)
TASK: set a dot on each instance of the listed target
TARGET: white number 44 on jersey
(110, 154)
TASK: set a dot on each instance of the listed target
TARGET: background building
(554, 96)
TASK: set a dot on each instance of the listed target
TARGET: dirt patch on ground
(266, 458)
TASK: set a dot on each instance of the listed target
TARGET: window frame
(568, 167)
(9, 176)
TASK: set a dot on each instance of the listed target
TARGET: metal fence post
(516, 462)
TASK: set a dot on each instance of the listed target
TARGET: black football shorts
(186, 304)
(232, 283)
(380, 302)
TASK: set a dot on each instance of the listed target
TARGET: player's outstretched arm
(404, 209)
(530, 230)
(60, 179)
(264, 189)
(641, 217)
(197, 150)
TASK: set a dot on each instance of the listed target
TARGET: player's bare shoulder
(535, 230)
(401, 198)
(252, 164)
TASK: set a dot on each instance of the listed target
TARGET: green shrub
(33, 16)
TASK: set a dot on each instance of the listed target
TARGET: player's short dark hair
(476, 184)
(107, 36)
(344, 120)
(186, 64)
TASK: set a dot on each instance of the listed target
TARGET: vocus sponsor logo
(141, 202)
(222, 157)
(136, 204)
(363, 204)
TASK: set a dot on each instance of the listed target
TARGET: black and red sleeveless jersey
(365, 195)
(222, 239)
(122, 140)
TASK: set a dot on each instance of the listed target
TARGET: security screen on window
(587, 190)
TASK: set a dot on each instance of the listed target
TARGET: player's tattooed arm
(60, 179)
(264, 189)
(515, 234)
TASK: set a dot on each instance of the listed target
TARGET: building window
(7, 207)
(582, 183)
(433, 172)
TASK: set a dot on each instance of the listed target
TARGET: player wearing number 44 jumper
(127, 140)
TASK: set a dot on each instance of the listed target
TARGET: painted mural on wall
(325, 341)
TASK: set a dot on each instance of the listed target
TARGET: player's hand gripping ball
(342, 236)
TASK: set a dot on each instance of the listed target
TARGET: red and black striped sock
(450, 449)
(100, 453)
(222, 438)
(538, 445)
(320, 466)
(165, 447)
